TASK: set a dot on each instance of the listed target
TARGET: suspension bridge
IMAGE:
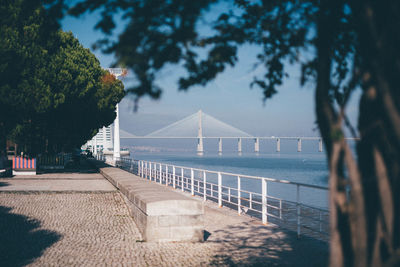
(202, 126)
(198, 126)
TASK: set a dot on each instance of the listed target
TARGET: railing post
(298, 209)
(166, 175)
(204, 186)
(150, 170)
(142, 165)
(219, 190)
(264, 201)
(147, 169)
(250, 200)
(160, 173)
(182, 175)
(238, 194)
(229, 194)
(153, 174)
(173, 177)
(192, 181)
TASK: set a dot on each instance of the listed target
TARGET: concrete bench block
(161, 214)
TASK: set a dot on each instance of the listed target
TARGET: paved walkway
(79, 219)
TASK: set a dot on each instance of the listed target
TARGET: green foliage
(82, 99)
(22, 54)
(53, 95)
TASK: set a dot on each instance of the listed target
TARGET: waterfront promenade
(78, 218)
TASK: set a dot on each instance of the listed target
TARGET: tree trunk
(347, 217)
(364, 196)
(379, 126)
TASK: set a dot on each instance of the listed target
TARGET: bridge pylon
(200, 147)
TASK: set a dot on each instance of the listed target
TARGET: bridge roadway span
(80, 219)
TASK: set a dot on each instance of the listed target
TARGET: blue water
(302, 168)
(305, 168)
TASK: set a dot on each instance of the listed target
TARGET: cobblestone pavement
(86, 224)
(91, 229)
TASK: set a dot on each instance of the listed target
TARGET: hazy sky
(228, 98)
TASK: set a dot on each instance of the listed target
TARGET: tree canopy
(54, 95)
(340, 45)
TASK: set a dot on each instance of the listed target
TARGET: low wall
(160, 213)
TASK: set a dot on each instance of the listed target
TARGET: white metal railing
(228, 189)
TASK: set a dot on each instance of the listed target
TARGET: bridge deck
(94, 228)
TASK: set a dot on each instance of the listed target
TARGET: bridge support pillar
(240, 145)
(220, 146)
(320, 145)
(278, 145)
(257, 145)
(200, 148)
(299, 145)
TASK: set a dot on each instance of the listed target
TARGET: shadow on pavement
(256, 245)
(21, 242)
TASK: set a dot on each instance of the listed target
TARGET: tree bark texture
(379, 127)
(364, 193)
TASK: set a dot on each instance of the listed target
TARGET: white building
(103, 141)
